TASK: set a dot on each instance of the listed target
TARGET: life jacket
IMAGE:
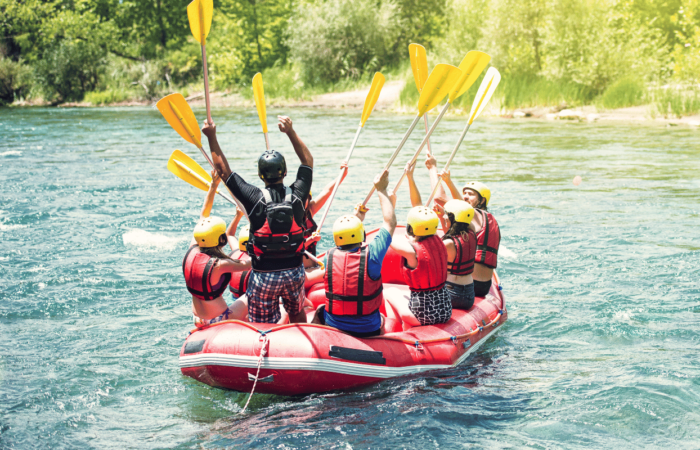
(309, 228)
(280, 236)
(197, 268)
(431, 272)
(239, 280)
(463, 263)
(487, 240)
(349, 289)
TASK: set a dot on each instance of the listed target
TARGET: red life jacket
(487, 240)
(239, 280)
(349, 289)
(280, 236)
(309, 228)
(197, 268)
(431, 272)
(463, 263)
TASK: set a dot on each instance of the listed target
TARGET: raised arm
(302, 151)
(381, 182)
(209, 199)
(451, 186)
(318, 203)
(431, 164)
(231, 230)
(217, 155)
(440, 211)
(412, 188)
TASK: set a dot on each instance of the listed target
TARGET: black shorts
(481, 288)
(462, 295)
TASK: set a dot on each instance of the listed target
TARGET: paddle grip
(449, 161)
(337, 182)
(396, 153)
(206, 83)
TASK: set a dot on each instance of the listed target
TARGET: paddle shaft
(206, 83)
(449, 161)
(425, 119)
(396, 153)
(267, 142)
(337, 182)
(422, 144)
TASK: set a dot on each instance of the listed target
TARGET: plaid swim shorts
(266, 288)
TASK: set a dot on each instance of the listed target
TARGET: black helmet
(271, 165)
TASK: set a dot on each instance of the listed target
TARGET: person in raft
(313, 206)
(424, 268)
(276, 215)
(353, 273)
(207, 269)
(488, 233)
(239, 280)
(460, 243)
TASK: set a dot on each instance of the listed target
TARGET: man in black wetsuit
(276, 216)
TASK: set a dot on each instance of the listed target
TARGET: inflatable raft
(308, 358)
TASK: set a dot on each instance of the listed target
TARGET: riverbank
(389, 101)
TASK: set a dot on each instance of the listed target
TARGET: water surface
(601, 349)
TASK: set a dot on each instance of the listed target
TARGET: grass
(623, 93)
(674, 101)
(109, 96)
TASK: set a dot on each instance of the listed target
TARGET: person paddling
(424, 269)
(488, 233)
(276, 215)
(207, 269)
(353, 273)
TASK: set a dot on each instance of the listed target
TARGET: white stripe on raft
(318, 365)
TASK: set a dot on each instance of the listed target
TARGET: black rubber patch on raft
(194, 346)
(353, 354)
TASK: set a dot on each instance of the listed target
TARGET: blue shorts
(462, 295)
(266, 288)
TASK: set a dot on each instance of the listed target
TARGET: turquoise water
(601, 349)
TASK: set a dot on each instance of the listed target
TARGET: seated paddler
(353, 273)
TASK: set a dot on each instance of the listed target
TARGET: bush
(69, 69)
(15, 80)
(108, 96)
(623, 93)
(675, 101)
(343, 38)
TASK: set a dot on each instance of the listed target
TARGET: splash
(505, 253)
(11, 153)
(151, 242)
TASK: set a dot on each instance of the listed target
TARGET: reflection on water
(601, 281)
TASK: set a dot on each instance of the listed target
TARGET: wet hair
(409, 230)
(457, 228)
(218, 251)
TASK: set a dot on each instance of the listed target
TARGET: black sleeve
(245, 193)
(302, 185)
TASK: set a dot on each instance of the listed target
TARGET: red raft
(308, 358)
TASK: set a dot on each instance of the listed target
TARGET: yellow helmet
(243, 237)
(463, 211)
(479, 187)
(208, 231)
(348, 230)
(423, 221)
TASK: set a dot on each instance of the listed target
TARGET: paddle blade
(488, 86)
(188, 170)
(437, 86)
(419, 64)
(372, 97)
(179, 115)
(199, 13)
(259, 95)
(471, 66)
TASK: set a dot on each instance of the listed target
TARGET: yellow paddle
(419, 66)
(471, 67)
(370, 101)
(259, 95)
(199, 13)
(187, 169)
(488, 86)
(438, 85)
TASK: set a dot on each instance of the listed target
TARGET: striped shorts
(266, 288)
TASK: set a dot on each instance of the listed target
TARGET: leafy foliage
(15, 80)
(69, 69)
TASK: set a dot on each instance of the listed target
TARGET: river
(601, 279)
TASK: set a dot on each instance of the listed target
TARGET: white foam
(11, 153)
(505, 253)
(151, 242)
(4, 227)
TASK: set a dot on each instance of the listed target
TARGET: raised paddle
(471, 66)
(488, 86)
(199, 13)
(419, 66)
(370, 101)
(436, 87)
(187, 169)
(259, 96)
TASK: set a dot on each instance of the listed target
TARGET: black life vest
(349, 288)
(463, 263)
(280, 236)
(197, 268)
(487, 240)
